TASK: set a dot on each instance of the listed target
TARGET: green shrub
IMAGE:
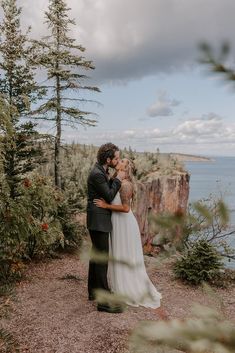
(35, 224)
(73, 231)
(28, 224)
(201, 263)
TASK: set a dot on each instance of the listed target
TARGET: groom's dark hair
(106, 151)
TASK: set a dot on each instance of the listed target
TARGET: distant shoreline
(191, 158)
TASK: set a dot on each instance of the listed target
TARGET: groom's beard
(112, 166)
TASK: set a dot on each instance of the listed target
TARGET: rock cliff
(158, 193)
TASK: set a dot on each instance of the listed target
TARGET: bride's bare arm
(125, 194)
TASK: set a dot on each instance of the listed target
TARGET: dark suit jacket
(98, 187)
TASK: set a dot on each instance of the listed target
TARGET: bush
(28, 223)
(201, 263)
(35, 224)
(73, 231)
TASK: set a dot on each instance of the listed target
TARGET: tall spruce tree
(19, 90)
(17, 77)
(65, 67)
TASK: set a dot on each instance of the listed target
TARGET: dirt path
(52, 315)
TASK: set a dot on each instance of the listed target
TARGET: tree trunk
(58, 117)
(58, 136)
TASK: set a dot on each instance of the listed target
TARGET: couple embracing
(114, 231)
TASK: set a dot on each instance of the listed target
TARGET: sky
(155, 94)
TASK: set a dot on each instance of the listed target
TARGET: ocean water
(217, 178)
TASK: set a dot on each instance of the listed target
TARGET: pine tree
(17, 82)
(200, 263)
(19, 90)
(20, 153)
(61, 57)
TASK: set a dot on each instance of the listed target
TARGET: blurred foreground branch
(204, 333)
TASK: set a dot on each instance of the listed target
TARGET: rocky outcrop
(160, 193)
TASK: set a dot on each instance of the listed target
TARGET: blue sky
(155, 94)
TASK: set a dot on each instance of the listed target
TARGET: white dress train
(125, 246)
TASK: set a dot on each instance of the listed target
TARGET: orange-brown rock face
(160, 193)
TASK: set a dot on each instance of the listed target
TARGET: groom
(99, 219)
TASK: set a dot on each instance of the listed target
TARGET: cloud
(132, 39)
(129, 133)
(205, 127)
(163, 106)
(196, 135)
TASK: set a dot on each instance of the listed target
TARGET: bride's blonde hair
(130, 169)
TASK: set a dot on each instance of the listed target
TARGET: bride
(127, 274)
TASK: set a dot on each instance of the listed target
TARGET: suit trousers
(97, 275)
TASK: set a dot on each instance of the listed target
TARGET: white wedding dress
(130, 280)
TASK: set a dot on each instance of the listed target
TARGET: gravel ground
(52, 315)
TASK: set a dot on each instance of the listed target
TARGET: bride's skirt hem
(153, 304)
(149, 306)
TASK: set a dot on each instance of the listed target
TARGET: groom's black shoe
(110, 309)
(91, 297)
